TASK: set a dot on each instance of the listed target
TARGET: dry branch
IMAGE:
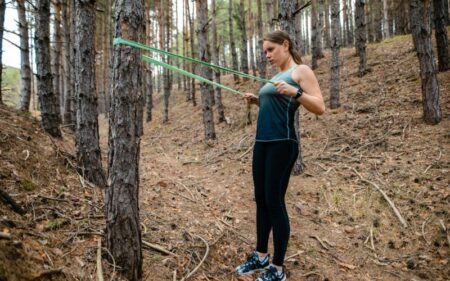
(201, 262)
(158, 248)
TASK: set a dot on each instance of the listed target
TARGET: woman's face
(276, 53)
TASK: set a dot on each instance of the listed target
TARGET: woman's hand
(285, 89)
(251, 98)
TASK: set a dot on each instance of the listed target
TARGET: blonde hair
(278, 37)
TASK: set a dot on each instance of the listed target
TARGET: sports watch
(299, 93)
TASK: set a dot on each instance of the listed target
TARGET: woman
(276, 150)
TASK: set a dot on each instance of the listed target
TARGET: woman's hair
(278, 37)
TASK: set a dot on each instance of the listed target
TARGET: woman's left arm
(312, 98)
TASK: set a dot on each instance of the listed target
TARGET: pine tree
(25, 69)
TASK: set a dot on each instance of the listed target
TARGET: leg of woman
(281, 157)
(263, 225)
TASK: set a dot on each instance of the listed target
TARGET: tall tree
(360, 34)
(65, 14)
(401, 17)
(251, 24)
(148, 81)
(349, 23)
(123, 230)
(335, 46)
(191, 40)
(202, 31)
(56, 53)
(25, 69)
(86, 129)
(314, 34)
(243, 29)
(440, 24)
(386, 33)
(2, 24)
(326, 33)
(166, 31)
(262, 57)
(232, 42)
(287, 21)
(378, 20)
(215, 59)
(421, 34)
(50, 118)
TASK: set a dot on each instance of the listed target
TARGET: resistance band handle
(186, 73)
(148, 48)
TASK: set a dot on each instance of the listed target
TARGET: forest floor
(196, 197)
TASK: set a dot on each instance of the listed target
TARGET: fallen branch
(396, 211)
(5, 198)
(320, 241)
(99, 261)
(158, 248)
(201, 262)
(294, 255)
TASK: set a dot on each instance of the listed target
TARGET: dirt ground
(196, 197)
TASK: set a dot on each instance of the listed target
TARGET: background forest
(112, 168)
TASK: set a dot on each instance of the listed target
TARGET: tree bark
(86, 130)
(202, 31)
(148, 83)
(232, 42)
(262, 57)
(2, 24)
(386, 33)
(25, 69)
(378, 20)
(123, 230)
(360, 34)
(349, 23)
(191, 37)
(335, 47)
(314, 34)
(215, 59)
(251, 23)
(67, 116)
(50, 118)
(56, 54)
(421, 33)
(166, 73)
(244, 49)
(326, 35)
(440, 24)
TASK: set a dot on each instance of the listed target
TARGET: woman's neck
(288, 63)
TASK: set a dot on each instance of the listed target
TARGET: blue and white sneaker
(253, 264)
(272, 274)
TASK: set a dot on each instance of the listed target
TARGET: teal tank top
(276, 111)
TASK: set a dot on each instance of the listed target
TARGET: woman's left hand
(285, 89)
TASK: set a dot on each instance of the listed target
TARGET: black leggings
(272, 165)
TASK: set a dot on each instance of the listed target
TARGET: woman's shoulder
(301, 72)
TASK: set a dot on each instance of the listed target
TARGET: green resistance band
(148, 48)
(184, 72)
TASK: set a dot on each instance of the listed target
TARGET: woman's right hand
(251, 98)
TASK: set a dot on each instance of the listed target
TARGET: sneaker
(253, 264)
(272, 274)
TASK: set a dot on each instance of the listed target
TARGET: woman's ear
(286, 45)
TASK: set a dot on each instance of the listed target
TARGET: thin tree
(215, 58)
(232, 42)
(243, 28)
(421, 34)
(65, 15)
(315, 37)
(2, 24)
(50, 118)
(326, 33)
(86, 129)
(191, 41)
(440, 24)
(206, 72)
(386, 33)
(262, 57)
(360, 34)
(251, 24)
(335, 46)
(56, 53)
(148, 74)
(287, 23)
(25, 69)
(123, 230)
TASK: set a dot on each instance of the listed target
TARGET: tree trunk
(386, 33)
(56, 53)
(50, 118)
(67, 116)
(270, 18)
(251, 23)
(335, 46)
(25, 70)
(232, 43)
(345, 24)
(401, 22)
(440, 25)
(2, 24)
(166, 28)
(262, 57)
(244, 49)
(73, 52)
(206, 72)
(421, 33)
(148, 83)
(215, 58)
(326, 34)
(314, 34)
(108, 62)
(378, 20)
(360, 34)
(86, 131)
(320, 28)
(349, 23)
(123, 230)
(191, 37)
(287, 23)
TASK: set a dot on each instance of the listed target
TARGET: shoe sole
(251, 272)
